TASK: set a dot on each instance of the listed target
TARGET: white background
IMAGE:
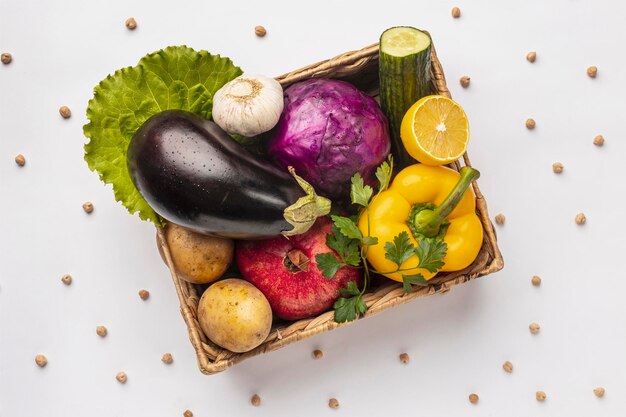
(457, 342)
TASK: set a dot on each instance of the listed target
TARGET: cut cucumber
(404, 79)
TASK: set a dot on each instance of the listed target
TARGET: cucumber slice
(404, 78)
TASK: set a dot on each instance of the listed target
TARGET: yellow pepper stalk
(425, 202)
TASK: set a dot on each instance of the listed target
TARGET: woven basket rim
(213, 359)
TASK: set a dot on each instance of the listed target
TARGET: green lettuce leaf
(176, 77)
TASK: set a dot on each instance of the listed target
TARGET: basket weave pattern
(361, 69)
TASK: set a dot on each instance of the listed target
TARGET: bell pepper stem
(428, 222)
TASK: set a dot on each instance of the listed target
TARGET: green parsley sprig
(351, 247)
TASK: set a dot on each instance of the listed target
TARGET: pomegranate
(286, 272)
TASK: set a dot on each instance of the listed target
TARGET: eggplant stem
(303, 213)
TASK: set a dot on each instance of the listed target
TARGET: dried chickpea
(260, 31)
(88, 207)
(65, 112)
(101, 331)
(534, 328)
(6, 58)
(121, 377)
(557, 167)
(41, 360)
(131, 23)
(20, 160)
(598, 140)
(592, 71)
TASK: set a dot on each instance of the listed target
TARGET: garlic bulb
(248, 105)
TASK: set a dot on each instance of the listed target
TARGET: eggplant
(194, 174)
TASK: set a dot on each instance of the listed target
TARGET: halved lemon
(435, 130)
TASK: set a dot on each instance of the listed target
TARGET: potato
(198, 258)
(235, 315)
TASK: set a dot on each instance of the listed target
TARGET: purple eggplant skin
(193, 174)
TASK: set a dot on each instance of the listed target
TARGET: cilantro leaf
(350, 305)
(361, 307)
(400, 250)
(360, 194)
(347, 227)
(346, 248)
(348, 309)
(351, 289)
(370, 240)
(383, 173)
(352, 255)
(431, 254)
(408, 280)
(328, 264)
(176, 77)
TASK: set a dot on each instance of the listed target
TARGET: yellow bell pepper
(426, 202)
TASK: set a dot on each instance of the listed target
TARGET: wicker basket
(361, 69)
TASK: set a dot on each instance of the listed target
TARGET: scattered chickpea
(255, 400)
(260, 31)
(507, 366)
(6, 58)
(581, 218)
(540, 396)
(599, 392)
(20, 160)
(592, 71)
(167, 358)
(530, 123)
(101, 331)
(456, 12)
(187, 413)
(473, 398)
(318, 354)
(536, 280)
(65, 112)
(333, 403)
(465, 81)
(404, 358)
(531, 56)
(534, 328)
(121, 377)
(144, 294)
(598, 140)
(500, 219)
(88, 207)
(557, 167)
(131, 23)
(41, 360)
(66, 279)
